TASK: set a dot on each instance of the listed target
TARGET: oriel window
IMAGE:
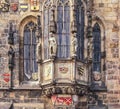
(63, 29)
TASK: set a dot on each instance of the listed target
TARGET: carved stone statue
(97, 83)
(90, 48)
(11, 35)
(74, 46)
(11, 55)
(96, 76)
(38, 52)
(52, 46)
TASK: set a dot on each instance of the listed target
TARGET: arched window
(96, 48)
(80, 18)
(29, 45)
(63, 29)
(47, 15)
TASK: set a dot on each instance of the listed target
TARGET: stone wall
(108, 11)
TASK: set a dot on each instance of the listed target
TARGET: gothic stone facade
(18, 94)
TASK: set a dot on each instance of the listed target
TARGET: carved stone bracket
(71, 90)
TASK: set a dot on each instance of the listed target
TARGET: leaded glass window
(63, 30)
(96, 48)
(80, 30)
(29, 42)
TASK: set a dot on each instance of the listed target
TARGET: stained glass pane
(30, 64)
(63, 30)
(97, 48)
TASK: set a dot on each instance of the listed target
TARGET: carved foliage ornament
(4, 6)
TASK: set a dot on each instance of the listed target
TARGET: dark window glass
(80, 31)
(96, 48)
(63, 31)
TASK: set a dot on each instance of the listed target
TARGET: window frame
(22, 23)
(30, 45)
(68, 4)
(81, 47)
(103, 48)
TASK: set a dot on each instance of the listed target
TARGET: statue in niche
(74, 46)
(52, 46)
(11, 55)
(4, 5)
(90, 48)
(38, 52)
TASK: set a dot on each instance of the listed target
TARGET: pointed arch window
(63, 29)
(96, 48)
(80, 18)
(29, 45)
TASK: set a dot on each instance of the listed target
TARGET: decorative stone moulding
(59, 89)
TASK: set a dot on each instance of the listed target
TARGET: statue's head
(96, 76)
